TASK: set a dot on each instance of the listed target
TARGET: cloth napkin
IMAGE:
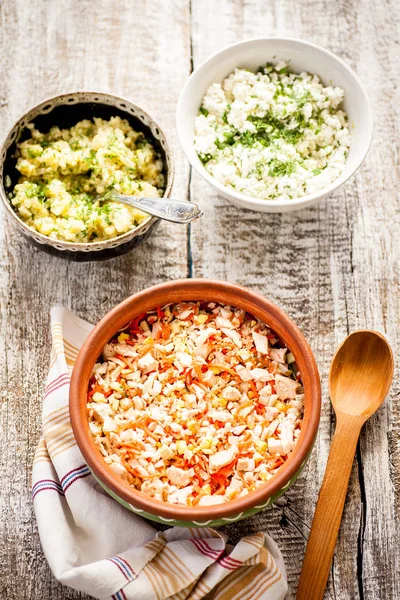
(96, 546)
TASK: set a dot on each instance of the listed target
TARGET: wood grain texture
(334, 268)
(48, 48)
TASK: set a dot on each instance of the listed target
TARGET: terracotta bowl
(204, 290)
(65, 111)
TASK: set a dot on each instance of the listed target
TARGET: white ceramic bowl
(303, 56)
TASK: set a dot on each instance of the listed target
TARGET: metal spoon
(176, 211)
(359, 379)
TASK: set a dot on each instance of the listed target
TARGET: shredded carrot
(169, 431)
(225, 471)
(198, 371)
(254, 388)
(221, 490)
(132, 471)
(218, 480)
(124, 359)
(165, 331)
(96, 388)
(133, 444)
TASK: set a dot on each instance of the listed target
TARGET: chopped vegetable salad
(195, 403)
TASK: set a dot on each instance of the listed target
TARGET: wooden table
(334, 268)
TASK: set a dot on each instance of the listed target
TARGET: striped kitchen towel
(96, 546)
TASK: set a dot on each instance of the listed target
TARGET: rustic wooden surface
(334, 268)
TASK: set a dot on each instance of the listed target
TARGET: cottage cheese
(64, 171)
(272, 134)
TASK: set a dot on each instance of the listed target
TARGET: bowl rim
(195, 289)
(187, 145)
(86, 246)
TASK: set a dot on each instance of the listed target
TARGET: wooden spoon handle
(328, 513)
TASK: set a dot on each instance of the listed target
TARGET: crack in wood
(285, 519)
(189, 227)
(363, 520)
(351, 262)
(288, 506)
(333, 577)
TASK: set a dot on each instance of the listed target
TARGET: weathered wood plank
(334, 269)
(343, 256)
(126, 48)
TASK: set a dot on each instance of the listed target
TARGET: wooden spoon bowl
(361, 373)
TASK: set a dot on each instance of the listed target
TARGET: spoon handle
(176, 211)
(329, 510)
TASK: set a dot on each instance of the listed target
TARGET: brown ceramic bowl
(204, 290)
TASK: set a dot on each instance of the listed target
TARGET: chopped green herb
(279, 169)
(34, 152)
(225, 115)
(247, 139)
(205, 158)
(260, 169)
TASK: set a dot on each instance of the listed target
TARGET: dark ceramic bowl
(66, 111)
(204, 290)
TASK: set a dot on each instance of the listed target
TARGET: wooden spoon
(359, 379)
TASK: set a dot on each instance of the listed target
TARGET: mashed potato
(65, 170)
